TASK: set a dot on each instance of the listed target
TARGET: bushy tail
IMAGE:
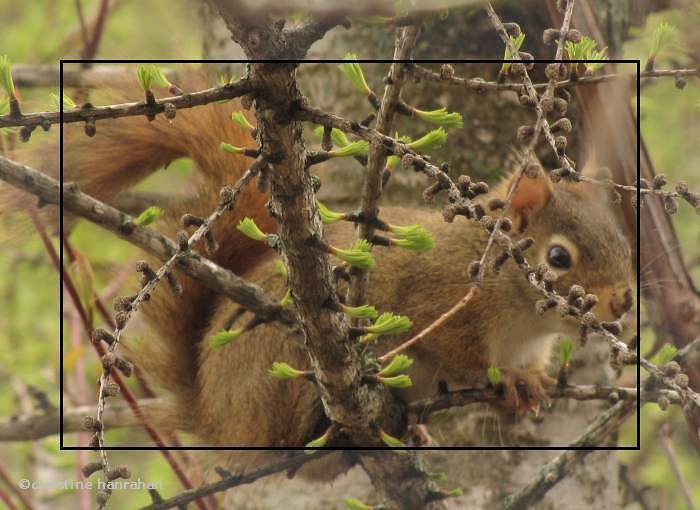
(123, 152)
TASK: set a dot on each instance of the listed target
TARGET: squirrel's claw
(526, 390)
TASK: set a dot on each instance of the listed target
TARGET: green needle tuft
(150, 215)
(241, 120)
(441, 117)
(399, 363)
(248, 227)
(360, 312)
(227, 147)
(282, 370)
(353, 71)
(358, 148)
(328, 216)
(358, 256)
(494, 375)
(387, 324)
(224, 337)
(413, 237)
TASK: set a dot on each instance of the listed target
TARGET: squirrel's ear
(531, 195)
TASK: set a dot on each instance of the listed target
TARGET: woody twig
(562, 465)
(372, 188)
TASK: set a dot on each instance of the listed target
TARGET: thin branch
(48, 75)
(90, 49)
(667, 447)
(562, 465)
(423, 408)
(481, 85)
(540, 124)
(226, 203)
(372, 188)
(124, 390)
(187, 100)
(201, 269)
(37, 425)
(290, 464)
(5, 477)
(461, 304)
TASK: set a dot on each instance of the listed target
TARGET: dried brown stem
(461, 304)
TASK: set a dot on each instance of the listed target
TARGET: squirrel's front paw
(525, 389)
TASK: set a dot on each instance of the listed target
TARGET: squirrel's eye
(559, 257)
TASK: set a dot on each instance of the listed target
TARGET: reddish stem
(5, 477)
(123, 388)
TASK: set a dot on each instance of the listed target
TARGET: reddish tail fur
(125, 151)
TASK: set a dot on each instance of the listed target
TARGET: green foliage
(356, 504)
(328, 216)
(282, 370)
(508, 55)
(665, 36)
(353, 149)
(455, 493)
(339, 138)
(666, 354)
(358, 256)
(149, 216)
(566, 350)
(66, 101)
(225, 80)
(6, 76)
(240, 119)
(360, 312)
(149, 75)
(319, 442)
(353, 71)
(399, 363)
(4, 105)
(287, 299)
(494, 375)
(224, 337)
(387, 324)
(430, 141)
(393, 442)
(441, 117)
(249, 228)
(413, 237)
(586, 49)
(232, 149)
(397, 381)
(281, 269)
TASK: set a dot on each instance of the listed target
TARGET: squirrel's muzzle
(613, 301)
(621, 302)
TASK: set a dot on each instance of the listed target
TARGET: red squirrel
(225, 396)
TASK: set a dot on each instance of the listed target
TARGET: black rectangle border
(637, 447)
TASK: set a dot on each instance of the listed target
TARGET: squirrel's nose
(619, 304)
